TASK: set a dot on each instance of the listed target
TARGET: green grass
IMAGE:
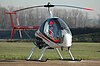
(20, 51)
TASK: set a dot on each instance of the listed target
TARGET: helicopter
(52, 33)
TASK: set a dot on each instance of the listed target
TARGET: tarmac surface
(50, 63)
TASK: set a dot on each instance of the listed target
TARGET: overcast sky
(95, 4)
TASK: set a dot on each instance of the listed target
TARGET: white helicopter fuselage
(66, 42)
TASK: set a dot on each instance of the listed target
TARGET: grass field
(20, 51)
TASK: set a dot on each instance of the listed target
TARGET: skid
(42, 53)
(31, 52)
(59, 53)
(70, 53)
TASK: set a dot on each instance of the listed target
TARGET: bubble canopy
(52, 28)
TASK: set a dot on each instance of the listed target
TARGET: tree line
(73, 17)
(83, 27)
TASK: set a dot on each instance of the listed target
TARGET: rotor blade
(28, 8)
(75, 7)
(49, 5)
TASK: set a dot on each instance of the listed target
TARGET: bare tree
(98, 20)
(2, 18)
(74, 18)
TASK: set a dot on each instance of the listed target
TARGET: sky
(95, 4)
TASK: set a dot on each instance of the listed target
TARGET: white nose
(68, 40)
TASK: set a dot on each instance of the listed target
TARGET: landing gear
(70, 53)
(43, 50)
(42, 53)
(31, 52)
(59, 53)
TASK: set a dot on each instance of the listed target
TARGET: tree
(2, 18)
(98, 20)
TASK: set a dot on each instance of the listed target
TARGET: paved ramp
(50, 63)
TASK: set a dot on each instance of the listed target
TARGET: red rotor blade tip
(89, 9)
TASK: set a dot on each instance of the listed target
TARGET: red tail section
(18, 27)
